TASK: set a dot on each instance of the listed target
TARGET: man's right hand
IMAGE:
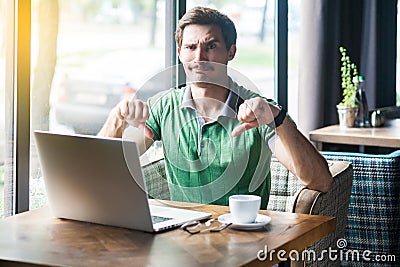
(135, 112)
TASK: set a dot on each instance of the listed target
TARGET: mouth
(200, 67)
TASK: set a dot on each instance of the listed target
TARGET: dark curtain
(368, 31)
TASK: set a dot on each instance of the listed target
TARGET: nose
(200, 54)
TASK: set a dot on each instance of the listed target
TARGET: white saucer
(260, 221)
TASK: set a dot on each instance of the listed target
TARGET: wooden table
(387, 136)
(36, 238)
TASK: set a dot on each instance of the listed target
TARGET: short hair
(207, 16)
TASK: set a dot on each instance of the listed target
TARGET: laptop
(100, 180)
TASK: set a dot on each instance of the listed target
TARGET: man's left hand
(254, 112)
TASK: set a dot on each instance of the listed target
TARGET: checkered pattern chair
(287, 194)
(373, 221)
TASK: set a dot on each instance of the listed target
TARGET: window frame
(281, 52)
(19, 119)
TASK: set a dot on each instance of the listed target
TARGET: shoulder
(173, 95)
(243, 92)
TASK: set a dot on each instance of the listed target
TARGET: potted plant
(347, 108)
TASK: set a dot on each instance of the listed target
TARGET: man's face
(202, 46)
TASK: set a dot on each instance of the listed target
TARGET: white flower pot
(347, 116)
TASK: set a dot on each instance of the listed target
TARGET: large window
(86, 57)
(294, 16)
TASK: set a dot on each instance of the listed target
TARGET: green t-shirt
(204, 163)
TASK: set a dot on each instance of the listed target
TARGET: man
(218, 137)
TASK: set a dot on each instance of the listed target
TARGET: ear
(232, 52)
(179, 53)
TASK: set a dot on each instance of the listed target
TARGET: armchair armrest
(333, 203)
(310, 201)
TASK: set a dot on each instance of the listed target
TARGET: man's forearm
(301, 157)
(113, 127)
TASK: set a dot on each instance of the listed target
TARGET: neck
(218, 92)
(209, 100)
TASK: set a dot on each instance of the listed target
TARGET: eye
(212, 45)
(190, 46)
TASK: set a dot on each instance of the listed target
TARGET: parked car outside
(83, 99)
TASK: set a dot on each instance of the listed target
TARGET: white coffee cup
(244, 208)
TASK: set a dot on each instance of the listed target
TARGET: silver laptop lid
(100, 180)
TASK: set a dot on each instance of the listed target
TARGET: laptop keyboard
(157, 219)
